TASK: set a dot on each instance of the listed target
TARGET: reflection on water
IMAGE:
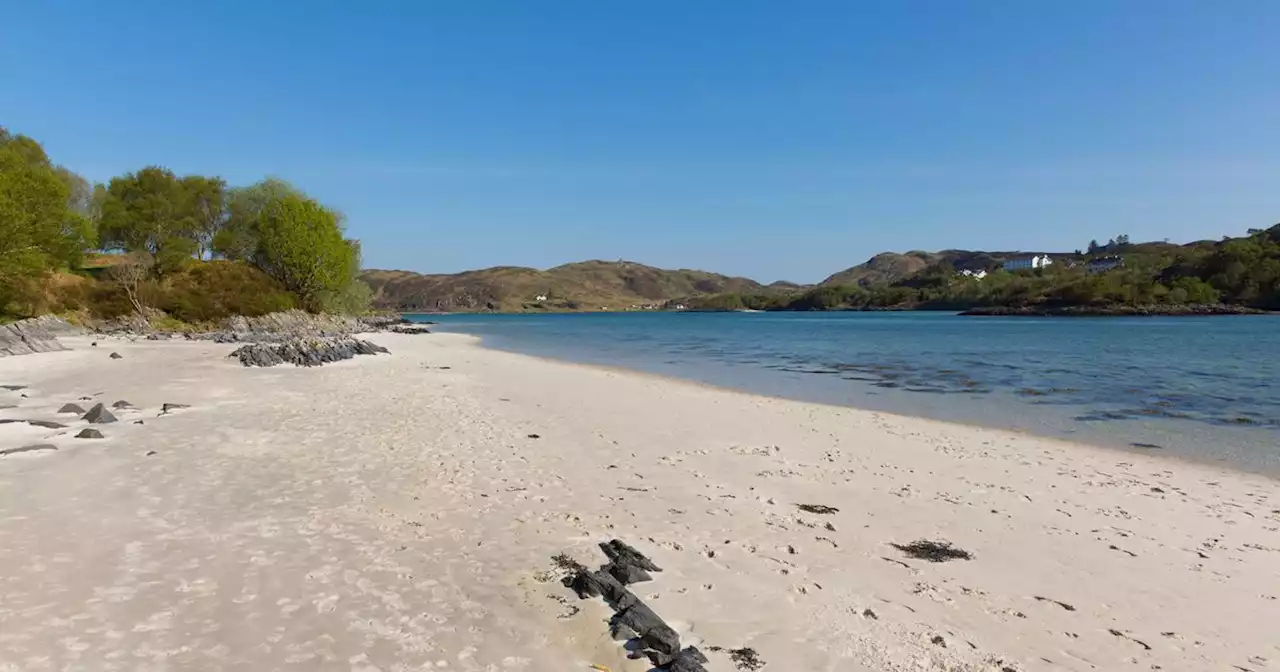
(1208, 388)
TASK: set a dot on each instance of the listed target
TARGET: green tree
(37, 230)
(300, 244)
(206, 199)
(238, 237)
(149, 211)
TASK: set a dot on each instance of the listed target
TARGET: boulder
(71, 408)
(98, 415)
(116, 355)
(121, 405)
(89, 433)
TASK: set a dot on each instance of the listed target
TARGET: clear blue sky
(778, 140)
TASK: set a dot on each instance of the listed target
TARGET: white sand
(390, 514)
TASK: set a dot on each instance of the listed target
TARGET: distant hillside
(891, 267)
(587, 285)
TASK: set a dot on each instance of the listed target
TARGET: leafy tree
(37, 231)
(301, 245)
(206, 199)
(1093, 247)
(149, 212)
(238, 237)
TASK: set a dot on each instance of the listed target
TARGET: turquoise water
(1204, 388)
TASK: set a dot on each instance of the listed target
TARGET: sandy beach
(400, 512)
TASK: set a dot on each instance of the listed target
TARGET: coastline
(396, 510)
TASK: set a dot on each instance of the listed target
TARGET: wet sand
(397, 513)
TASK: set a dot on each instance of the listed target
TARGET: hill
(587, 285)
(891, 267)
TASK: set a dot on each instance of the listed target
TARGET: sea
(1202, 388)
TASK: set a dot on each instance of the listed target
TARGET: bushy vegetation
(1236, 271)
(189, 246)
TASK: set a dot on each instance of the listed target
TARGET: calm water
(1196, 387)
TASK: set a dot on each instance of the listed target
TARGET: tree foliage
(38, 229)
(300, 244)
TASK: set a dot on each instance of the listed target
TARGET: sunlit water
(1206, 388)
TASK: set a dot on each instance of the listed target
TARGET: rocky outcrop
(313, 351)
(294, 324)
(38, 334)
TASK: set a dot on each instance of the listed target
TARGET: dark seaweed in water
(933, 551)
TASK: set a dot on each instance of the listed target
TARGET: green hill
(587, 285)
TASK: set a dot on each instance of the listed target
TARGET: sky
(776, 140)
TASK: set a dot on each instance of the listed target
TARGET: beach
(400, 512)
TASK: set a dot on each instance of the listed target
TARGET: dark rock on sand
(71, 408)
(587, 583)
(619, 552)
(116, 355)
(820, 509)
(13, 388)
(121, 404)
(46, 424)
(622, 632)
(653, 631)
(99, 415)
(627, 574)
(28, 449)
(690, 659)
(305, 351)
(173, 407)
(410, 329)
(89, 433)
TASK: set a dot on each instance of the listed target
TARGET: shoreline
(400, 511)
(1118, 447)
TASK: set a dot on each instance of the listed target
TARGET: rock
(587, 583)
(689, 659)
(71, 408)
(116, 355)
(305, 351)
(121, 405)
(139, 422)
(173, 407)
(409, 329)
(99, 415)
(46, 424)
(619, 552)
(13, 388)
(627, 574)
(37, 334)
(89, 433)
(654, 632)
(622, 632)
(28, 449)
(151, 452)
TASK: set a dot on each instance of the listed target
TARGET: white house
(976, 275)
(540, 297)
(1037, 261)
